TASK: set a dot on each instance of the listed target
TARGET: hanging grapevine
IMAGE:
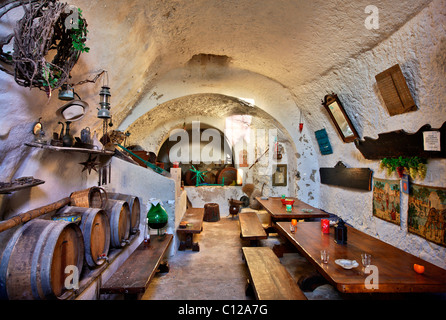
(414, 166)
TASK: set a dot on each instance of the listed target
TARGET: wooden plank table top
(395, 267)
(250, 226)
(194, 219)
(135, 274)
(278, 211)
(269, 278)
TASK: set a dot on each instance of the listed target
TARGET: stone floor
(217, 271)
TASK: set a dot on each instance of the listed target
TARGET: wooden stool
(211, 212)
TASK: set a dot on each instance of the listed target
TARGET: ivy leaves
(51, 74)
(79, 35)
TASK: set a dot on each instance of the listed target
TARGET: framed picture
(280, 176)
(387, 200)
(426, 212)
(340, 118)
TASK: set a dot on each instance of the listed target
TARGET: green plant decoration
(51, 75)
(79, 35)
(413, 166)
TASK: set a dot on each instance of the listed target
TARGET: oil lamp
(104, 111)
(66, 92)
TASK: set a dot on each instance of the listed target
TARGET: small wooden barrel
(210, 177)
(118, 213)
(94, 197)
(230, 176)
(35, 260)
(190, 178)
(135, 209)
(95, 228)
(211, 212)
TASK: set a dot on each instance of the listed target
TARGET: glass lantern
(104, 111)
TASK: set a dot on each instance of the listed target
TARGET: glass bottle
(157, 217)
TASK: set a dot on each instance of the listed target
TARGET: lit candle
(293, 225)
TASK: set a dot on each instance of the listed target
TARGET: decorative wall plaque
(340, 175)
(400, 143)
(394, 91)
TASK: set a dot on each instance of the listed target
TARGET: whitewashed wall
(146, 184)
(420, 49)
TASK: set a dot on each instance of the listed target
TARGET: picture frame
(280, 176)
(340, 118)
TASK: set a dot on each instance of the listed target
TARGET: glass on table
(324, 256)
(366, 259)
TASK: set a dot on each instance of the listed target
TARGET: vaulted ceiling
(291, 42)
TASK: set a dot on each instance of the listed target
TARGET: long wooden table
(278, 211)
(394, 266)
(194, 219)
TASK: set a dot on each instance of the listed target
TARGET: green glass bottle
(157, 216)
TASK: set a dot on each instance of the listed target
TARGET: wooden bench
(133, 277)
(251, 228)
(192, 223)
(268, 278)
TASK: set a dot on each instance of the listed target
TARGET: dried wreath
(48, 41)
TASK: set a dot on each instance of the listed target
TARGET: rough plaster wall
(289, 41)
(420, 48)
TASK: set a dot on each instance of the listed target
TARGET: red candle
(325, 226)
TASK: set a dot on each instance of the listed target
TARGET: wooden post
(29, 215)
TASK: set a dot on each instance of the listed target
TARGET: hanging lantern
(104, 111)
(66, 93)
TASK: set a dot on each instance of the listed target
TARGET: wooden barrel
(230, 176)
(35, 260)
(211, 212)
(135, 209)
(95, 228)
(119, 217)
(94, 197)
(190, 178)
(210, 177)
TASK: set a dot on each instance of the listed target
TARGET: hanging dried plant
(48, 41)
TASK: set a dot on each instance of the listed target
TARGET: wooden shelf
(400, 143)
(19, 184)
(70, 149)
